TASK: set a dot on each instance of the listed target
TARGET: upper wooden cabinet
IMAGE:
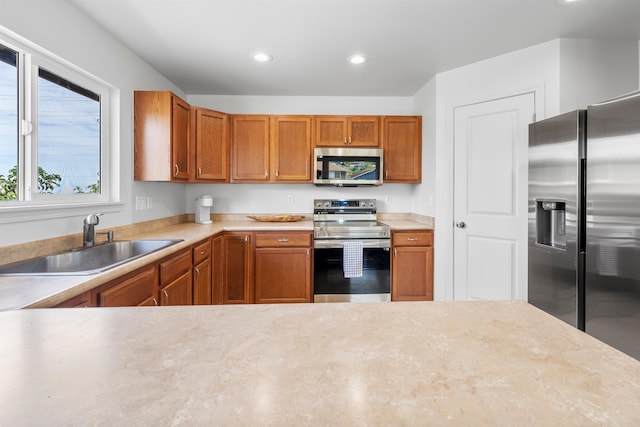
(341, 131)
(161, 137)
(211, 142)
(402, 144)
(250, 148)
(271, 148)
(291, 148)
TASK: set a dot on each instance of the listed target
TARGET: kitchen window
(54, 133)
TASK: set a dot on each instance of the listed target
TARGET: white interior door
(490, 198)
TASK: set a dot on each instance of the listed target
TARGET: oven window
(329, 274)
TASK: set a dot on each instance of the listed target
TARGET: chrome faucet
(89, 231)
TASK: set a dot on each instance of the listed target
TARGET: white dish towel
(352, 259)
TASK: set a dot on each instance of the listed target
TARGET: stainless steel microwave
(348, 167)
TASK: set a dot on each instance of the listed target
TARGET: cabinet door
(202, 283)
(211, 145)
(237, 277)
(283, 275)
(178, 292)
(291, 148)
(412, 273)
(85, 299)
(402, 143)
(180, 145)
(363, 131)
(217, 269)
(131, 290)
(250, 148)
(176, 266)
(152, 136)
(331, 131)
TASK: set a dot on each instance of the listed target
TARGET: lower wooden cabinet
(217, 268)
(202, 289)
(412, 266)
(138, 288)
(176, 283)
(262, 267)
(237, 277)
(85, 299)
(283, 266)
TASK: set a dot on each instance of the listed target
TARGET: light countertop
(18, 292)
(422, 363)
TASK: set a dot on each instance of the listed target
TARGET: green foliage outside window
(47, 182)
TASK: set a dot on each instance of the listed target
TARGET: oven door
(330, 285)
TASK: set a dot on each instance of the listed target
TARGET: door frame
(444, 230)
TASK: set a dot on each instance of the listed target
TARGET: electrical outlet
(387, 199)
(141, 203)
(289, 199)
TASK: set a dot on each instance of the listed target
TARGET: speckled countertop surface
(46, 291)
(431, 363)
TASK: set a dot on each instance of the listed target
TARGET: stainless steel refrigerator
(584, 220)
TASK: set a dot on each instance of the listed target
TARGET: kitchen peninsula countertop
(419, 363)
(18, 292)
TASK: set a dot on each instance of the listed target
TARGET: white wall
(425, 193)
(539, 69)
(595, 70)
(272, 198)
(60, 28)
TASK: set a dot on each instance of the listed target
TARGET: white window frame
(32, 205)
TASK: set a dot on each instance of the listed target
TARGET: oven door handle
(339, 243)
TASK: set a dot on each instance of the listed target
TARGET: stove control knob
(372, 203)
(327, 204)
(318, 203)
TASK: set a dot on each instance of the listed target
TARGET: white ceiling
(204, 46)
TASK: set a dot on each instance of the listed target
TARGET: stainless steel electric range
(351, 252)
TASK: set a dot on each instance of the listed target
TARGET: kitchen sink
(84, 261)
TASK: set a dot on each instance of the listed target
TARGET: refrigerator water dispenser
(551, 223)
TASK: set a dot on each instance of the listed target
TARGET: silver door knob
(461, 224)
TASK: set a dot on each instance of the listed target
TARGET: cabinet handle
(199, 172)
(246, 239)
(176, 170)
(395, 252)
(308, 253)
(412, 239)
(345, 140)
(349, 140)
(197, 272)
(385, 174)
(283, 240)
(202, 252)
(277, 173)
(266, 174)
(166, 295)
(155, 301)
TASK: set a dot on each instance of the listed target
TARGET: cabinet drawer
(201, 252)
(132, 291)
(175, 267)
(276, 239)
(412, 238)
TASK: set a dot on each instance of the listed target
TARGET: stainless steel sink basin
(87, 260)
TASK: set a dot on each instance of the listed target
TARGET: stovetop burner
(347, 219)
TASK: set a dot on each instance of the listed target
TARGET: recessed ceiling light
(566, 1)
(261, 56)
(357, 59)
